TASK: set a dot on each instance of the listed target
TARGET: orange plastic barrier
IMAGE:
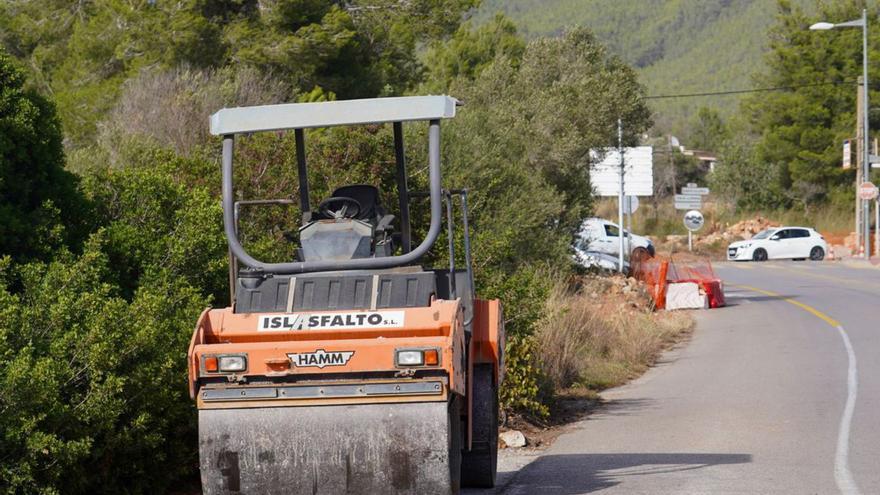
(653, 273)
(699, 271)
(659, 271)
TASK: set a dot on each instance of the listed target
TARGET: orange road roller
(352, 368)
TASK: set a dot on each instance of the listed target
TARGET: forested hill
(678, 46)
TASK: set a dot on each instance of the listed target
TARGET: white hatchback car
(780, 243)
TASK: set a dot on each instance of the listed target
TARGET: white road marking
(842, 475)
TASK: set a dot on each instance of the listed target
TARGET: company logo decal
(320, 358)
(330, 321)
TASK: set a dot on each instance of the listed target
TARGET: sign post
(620, 196)
(693, 221)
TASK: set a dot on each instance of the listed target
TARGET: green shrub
(40, 208)
(93, 393)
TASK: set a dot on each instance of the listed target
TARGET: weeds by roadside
(602, 332)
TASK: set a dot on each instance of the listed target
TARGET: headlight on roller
(410, 358)
(224, 363)
(233, 363)
(417, 357)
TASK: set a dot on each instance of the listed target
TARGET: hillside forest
(110, 217)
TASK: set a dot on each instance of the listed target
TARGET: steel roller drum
(388, 448)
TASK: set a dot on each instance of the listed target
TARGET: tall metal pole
(620, 197)
(866, 163)
(859, 143)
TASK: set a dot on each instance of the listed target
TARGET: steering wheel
(339, 207)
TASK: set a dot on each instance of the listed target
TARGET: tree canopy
(81, 52)
(801, 130)
(39, 203)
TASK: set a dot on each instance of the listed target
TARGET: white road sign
(688, 197)
(688, 206)
(638, 178)
(695, 190)
(688, 202)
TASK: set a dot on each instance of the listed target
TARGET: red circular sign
(867, 190)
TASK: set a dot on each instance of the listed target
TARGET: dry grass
(603, 334)
(170, 108)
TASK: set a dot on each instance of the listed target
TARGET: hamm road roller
(352, 368)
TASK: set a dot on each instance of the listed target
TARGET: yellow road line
(809, 309)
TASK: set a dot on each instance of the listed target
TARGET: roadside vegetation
(599, 332)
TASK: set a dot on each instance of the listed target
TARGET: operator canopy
(331, 113)
(350, 230)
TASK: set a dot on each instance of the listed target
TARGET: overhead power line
(742, 91)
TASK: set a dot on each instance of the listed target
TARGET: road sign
(695, 190)
(631, 204)
(847, 154)
(688, 206)
(638, 177)
(688, 202)
(692, 184)
(688, 197)
(874, 160)
(867, 191)
(693, 220)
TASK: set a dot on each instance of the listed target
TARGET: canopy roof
(331, 113)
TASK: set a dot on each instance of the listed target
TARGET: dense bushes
(40, 208)
(93, 392)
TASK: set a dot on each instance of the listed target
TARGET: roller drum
(399, 448)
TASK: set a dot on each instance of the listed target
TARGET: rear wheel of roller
(479, 465)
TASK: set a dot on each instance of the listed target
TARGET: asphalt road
(777, 393)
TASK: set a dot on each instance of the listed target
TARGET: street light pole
(866, 154)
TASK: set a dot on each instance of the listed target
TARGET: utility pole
(865, 168)
(860, 143)
(866, 209)
(620, 197)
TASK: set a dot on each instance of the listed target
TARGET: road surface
(777, 393)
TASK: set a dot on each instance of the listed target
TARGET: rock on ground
(513, 438)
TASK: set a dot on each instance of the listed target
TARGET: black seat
(367, 196)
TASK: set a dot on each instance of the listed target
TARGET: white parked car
(780, 243)
(599, 238)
